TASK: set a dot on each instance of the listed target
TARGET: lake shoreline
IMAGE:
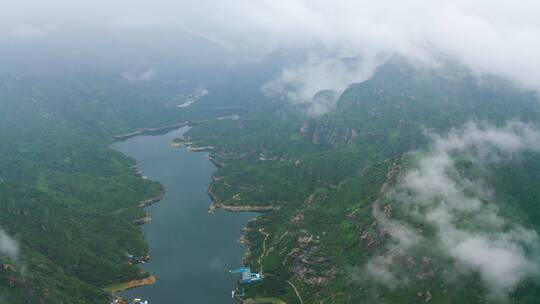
(152, 200)
(135, 283)
(115, 288)
(167, 128)
(132, 284)
(240, 208)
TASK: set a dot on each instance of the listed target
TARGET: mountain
(366, 199)
(69, 203)
(419, 185)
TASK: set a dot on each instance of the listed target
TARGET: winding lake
(191, 250)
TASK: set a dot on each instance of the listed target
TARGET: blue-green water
(191, 250)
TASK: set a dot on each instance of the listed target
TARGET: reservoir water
(191, 250)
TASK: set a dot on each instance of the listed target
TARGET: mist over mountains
(498, 38)
(393, 145)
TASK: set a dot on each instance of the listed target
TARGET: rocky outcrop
(305, 257)
(144, 220)
(327, 133)
(152, 200)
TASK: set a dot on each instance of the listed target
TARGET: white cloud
(300, 84)
(500, 37)
(30, 30)
(490, 37)
(146, 75)
(138, 22)
(379, 269)
(8, 246)
(435, 193)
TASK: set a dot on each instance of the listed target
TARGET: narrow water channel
(191, 250)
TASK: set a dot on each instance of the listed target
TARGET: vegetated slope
(68, 199)
(326, 175)
(65, 196)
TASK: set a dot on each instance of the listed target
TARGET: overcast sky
(501, 37)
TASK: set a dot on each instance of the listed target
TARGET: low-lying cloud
(8, 246)
(134, 77)
(30, 30)
(436, 194)
(498, 37)
(316, 85)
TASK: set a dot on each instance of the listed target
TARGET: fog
(312, 51)
(8, 246)
(437, 194)
(497, 37)
(489, 37)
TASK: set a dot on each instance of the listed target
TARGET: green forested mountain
(332, 183)
(66, 198)
(339, 185)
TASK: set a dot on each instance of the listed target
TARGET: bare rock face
(323, 131)
(296, 219)
(306, 261)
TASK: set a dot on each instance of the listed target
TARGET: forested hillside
(355, 200)
(338, 188)
(68, 201)
(66, 198)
